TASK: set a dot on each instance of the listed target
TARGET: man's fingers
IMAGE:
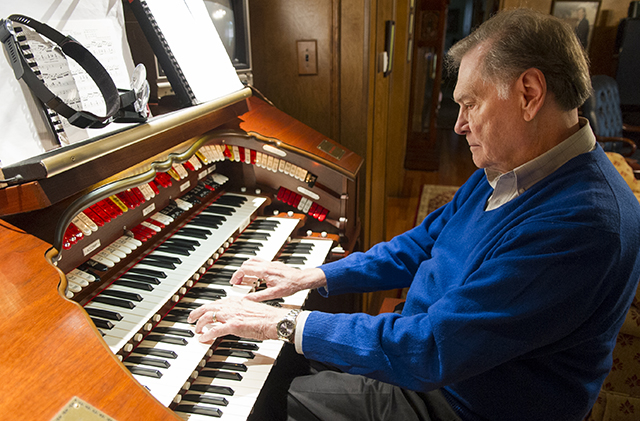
(264, 295)
(197, 313)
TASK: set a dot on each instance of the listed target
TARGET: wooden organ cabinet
(109, 243)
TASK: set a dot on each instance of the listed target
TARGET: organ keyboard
(149, 227)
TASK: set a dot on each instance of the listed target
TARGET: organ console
(110, 243)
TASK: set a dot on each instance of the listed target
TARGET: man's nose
(462, 125)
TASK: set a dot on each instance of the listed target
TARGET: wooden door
(422, 150)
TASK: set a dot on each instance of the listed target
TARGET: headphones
(122, 106)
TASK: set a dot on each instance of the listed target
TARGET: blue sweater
(514, 311)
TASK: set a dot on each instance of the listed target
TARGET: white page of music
(197, 47)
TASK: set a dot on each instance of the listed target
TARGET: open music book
(188, 47)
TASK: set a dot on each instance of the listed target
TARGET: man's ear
(532, 86)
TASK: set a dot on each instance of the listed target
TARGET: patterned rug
(432, 197)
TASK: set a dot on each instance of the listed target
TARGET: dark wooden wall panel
(276, 25)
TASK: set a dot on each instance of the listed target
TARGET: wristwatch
(287, 327)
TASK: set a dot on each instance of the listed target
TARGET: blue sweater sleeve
(506, 307)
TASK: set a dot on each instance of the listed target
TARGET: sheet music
(197, 47)
(96, 24)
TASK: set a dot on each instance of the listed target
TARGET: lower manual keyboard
(241, 394)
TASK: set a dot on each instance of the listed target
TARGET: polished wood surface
(50, 350)
(270, 122)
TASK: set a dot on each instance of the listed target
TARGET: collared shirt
(510, 185)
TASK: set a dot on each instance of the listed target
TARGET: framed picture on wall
(581, 15)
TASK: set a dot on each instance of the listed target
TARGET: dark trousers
(300, 390)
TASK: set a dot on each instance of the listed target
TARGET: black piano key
(183, 242)
(114, 301)
(122, 294)
(153, 362)
(293, 260)
(187, 305)
(163, 353)
(174, 331)
(220, 271)
(215, 280)
(218, 291)
(218, 374)
(199, 410)
(261, 222)
(180, 312)
(202, 293)
(220, 390)
(134, 284)
(164, 258)
(231, 260)
(158, 263)
(238, 338)
(226, 352)
(243, 248)
(177, 318)
(204, 224)
(221, 210)
(210, 400)
(247, 243)
(224, 365)
(140, 278)
(167, 339)
(194, 233)
(148, 272)
(104, 314)
(102, 324)
(210, 218)
(215, 215)
(255, 236)
(298, 248)
(147, 372)
(174, 250)
(239, 345)
(231, 200)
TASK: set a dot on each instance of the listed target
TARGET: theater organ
(111, 242)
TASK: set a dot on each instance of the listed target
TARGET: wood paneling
(276, 25)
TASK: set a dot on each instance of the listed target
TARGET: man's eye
(468, 106)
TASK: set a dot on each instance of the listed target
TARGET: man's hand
(281, 280)
(236, 316)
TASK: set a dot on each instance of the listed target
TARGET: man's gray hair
(521, 39)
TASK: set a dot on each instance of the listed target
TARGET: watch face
(285, 327)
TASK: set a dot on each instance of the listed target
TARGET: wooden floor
(456, 166)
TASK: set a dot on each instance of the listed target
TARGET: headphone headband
(79, 54)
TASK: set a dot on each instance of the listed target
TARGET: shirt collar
(510, 185)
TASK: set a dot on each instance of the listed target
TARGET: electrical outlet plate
(307, 57)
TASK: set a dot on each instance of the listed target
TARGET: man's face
(490, 124)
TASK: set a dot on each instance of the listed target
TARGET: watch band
(286, 327)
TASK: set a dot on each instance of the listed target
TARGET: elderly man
(517, 288)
